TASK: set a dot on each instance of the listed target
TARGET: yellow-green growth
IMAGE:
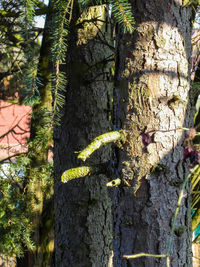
(113, 183)
(98, 142)
(144, 255)
(191, 2)
(77, 173)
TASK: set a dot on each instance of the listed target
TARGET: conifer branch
(123, 14)
(63, 10)
(87, 3)
(30, 66)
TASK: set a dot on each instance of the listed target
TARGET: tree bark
(83, 228)
(153, 74)
(152, 94)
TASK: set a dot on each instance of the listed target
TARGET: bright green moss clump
(77, 173)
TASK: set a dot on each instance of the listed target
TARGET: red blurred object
(14, 128)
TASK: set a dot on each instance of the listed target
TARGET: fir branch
(87, 3)
(123, 14)
(63, 10)
(29, 8)
(30, 70)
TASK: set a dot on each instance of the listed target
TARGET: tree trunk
(83, 229)
(42, 194)
(154, 84)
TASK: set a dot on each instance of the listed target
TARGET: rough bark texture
(154, 81)
(83, 229)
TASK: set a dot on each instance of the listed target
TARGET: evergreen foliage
(15, 205)
(63, 14)
(123, 14)
(17, 199)
(31, 60)
(15, 217)
(19, 49)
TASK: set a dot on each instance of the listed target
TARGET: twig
(13, 156)
(165, 131)
(196, 257)
(144, 255)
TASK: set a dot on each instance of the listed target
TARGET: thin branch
(198, 258)
(104, 40)
(13, 156)
(144, 255)
(12, 129)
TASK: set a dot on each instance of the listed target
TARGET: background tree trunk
(154, 81)
(42, 201)
(83, 229)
